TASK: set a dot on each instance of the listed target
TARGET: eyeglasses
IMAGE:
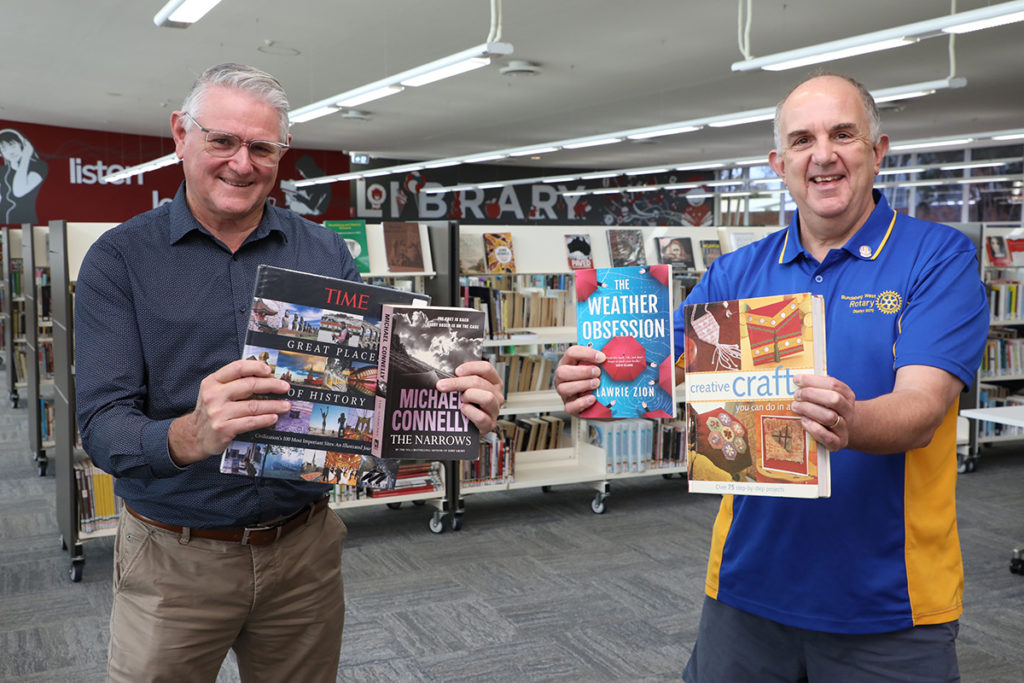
(221, 144)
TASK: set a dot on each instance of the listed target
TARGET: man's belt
(255, 535)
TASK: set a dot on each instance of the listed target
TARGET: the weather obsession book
(740, 359)
(418, 347)
(321, 335)
(627, 314)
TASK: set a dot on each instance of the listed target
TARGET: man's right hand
(226, 408)
(576, 377)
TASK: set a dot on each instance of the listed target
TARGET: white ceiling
(607, 65)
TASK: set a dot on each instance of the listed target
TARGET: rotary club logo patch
(889, 302)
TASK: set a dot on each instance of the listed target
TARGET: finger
(571, 390)
(576, 355)
(241, 368)
(479, 368)
(579, 404)
(484, 421)
(247, 387)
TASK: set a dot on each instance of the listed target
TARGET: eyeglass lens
(226, 145)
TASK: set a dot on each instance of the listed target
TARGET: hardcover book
(354, 234)
(471, 254)
(626, 247)
(321, 335)
(740, 359)
(500, 256)
(627, 314)
(579, 251)
(402, 247)
(418, 347)
(676, 251)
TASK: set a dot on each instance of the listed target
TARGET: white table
(1008, 415)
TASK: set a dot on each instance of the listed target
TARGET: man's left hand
(482, 394)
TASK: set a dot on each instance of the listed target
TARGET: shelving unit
(67, 246)
(14, 305)
(35, 291)
(1002, 370)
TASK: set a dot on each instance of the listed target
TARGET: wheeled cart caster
(597, 505)
(437, 523)
(1017, 561)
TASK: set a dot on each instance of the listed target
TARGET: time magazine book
(418, 347)
(627, 314)
(321, 335)
(740, 360)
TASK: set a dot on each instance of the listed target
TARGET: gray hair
(870, 108)
(249, 79)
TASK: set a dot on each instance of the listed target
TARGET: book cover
(321, 335)
(627, 314)
(418, 347)
(354, 234)
(998, 254)
(402, 247)
(626, 247)
(579, 251)
(471, 254)
(709, 251)
(676, 251)
(500, 256)
(740, 360)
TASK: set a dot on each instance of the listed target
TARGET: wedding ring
(839, 418)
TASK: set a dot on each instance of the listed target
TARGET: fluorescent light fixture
(921, 144)
(591, 143)
(600, 175)
(972, 20)
(742, 117)
(441, 164)
(658, 132)
(644, 171)
(838, 53)
(166, 160)
(490, 186)
(643, 188)
(560, 179)
(699, 166)
(183, 13)
(454, 64)
(1011, 136)
(751, 162)
(972, 164)
(896, 170)
(534, 151)
(480, 158)
(906, 92)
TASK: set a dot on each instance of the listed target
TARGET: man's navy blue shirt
(159, 305)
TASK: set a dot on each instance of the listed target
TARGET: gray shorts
(733, 645)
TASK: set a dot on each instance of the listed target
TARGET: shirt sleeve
(110, 376)
(946, 321)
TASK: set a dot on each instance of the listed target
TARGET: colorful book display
(419, 346)
(321, 335)
(740, 360)
(354, 234)
(627, 314)
(498, 249)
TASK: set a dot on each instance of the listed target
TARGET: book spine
(383, 359)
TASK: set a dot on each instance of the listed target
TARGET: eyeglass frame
(284, 147)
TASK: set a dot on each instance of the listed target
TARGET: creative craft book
(498, 249)
(740, 360)
(627, 314)
(418, 347)
(321, 335)
(579, 251)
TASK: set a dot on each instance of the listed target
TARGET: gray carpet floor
(535, 587)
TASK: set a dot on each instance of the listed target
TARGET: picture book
(626, 247)
(321, 335)
(709, 251)
(579, 251)
(354, 234)
(627, 314)
(740, 360)
(498, 249)
(676, 251)
(402, 247)
(471, 254)
(419, 346)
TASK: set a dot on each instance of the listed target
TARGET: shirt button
(818, 278)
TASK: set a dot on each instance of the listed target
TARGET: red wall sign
(50, 172)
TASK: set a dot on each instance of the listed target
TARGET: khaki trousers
(180, 605)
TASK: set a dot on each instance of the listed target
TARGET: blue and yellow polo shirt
(882, 553)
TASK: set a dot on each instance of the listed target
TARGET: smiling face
(827, 158)
(226, 194)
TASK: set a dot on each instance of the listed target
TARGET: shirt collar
(865, 244)
(183, 222)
